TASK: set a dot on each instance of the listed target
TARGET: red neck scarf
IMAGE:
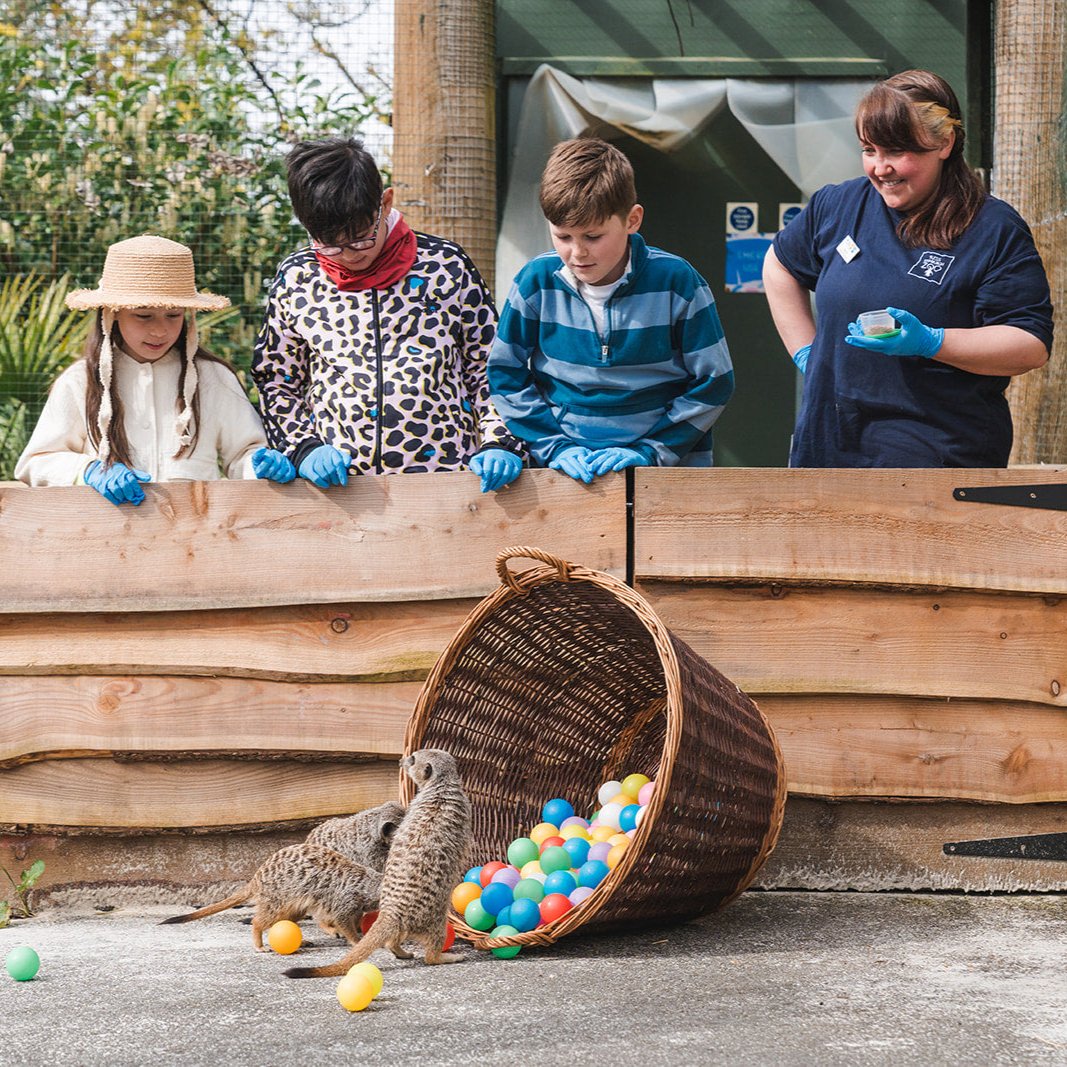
(392, 263)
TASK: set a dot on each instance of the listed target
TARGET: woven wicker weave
(564, 678)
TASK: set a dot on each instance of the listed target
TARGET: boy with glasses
(609, 353)
(372, 355)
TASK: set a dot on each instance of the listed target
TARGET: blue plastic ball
(524, 915)
(560, 882)
(498, 895)
(578, 850)
(628, 817)
(503, 917)
(555, 811)
(592, 873)
(474, 875)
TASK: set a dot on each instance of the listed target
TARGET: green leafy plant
(20, 908)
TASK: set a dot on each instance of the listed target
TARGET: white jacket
(59, 451)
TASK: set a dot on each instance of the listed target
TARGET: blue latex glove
(573, 461)
(800, 358)
(496, 467)
(326, 466)
(914, 338)
(272, 465)
(614, 458)
(119, 483)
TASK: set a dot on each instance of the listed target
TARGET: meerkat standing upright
(425, 861)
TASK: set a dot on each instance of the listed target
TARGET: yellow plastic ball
(463, 894)
(355, 991)
(615, 855)
(531, 868)
(541, 831)
(631, 785)
(618, 839)
(284, 937)
(574, 830)
(368, 970)
(602, 833)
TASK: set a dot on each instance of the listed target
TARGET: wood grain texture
(310, 641)
(60, 717)
(880, 527)
(787, 638)
(200, 545)
(106, 794)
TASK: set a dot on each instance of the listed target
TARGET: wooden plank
(364, 642)
(881, 527)
(872, 847)
(50, 717)
(836, 746)
(785, 638)
(102, 794)
(199, 545)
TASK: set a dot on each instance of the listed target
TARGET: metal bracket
(1051, 496)
(1031, 847)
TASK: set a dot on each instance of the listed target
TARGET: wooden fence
(186, 685)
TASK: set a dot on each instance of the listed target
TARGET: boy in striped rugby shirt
(609, 354)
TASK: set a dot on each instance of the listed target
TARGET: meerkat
(301, 879)
(425, 861)
(364, 837)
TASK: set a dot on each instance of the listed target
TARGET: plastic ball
(477, 918)
(592, 873)
(618, 839)
(522, 850)
(556, 810)
(616, 854)
(609, 815)
(368, 970)
(531, 869)
(474, 875)
(508, 876)
(560, 882)
(543, 830)
(599, 851)
(640, 818)
(573, 820)
(285, 937)
(539, 876)
(633, 783)
(524, 915)
(505, 952)
(368, 920)
(568, 833)
(608, 791)
(554, 906)
(602, 833)
(551, 842)
(355, 991)
(463, 894)
(555, 858)
(529, 889)
(488, 870)
(628, 816)
(644, 794)
(495, 896)
(578, 850)
(23, 963)
(583, 892)
(450, 939)
(503, 917)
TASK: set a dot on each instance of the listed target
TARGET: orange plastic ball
(355, 991)
(615, 855)
(284, 937)
(463, 894)
(368, 970)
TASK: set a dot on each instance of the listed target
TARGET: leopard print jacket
(395, 376)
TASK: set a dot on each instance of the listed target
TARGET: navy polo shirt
(866, 409)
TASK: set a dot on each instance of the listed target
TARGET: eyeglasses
(360, 245)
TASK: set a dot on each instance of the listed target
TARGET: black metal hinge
(1052, 497)
(1031, 847)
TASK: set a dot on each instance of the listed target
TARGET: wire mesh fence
(168, 117)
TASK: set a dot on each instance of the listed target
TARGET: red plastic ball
(550, 841)
(450, 937)
(367, 921)
(488, 870)
(553, 906)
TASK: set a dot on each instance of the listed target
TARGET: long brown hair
(120, 451)
(917, 111)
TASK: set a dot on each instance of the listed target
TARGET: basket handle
(563, 568)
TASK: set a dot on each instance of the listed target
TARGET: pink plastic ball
(644, 794)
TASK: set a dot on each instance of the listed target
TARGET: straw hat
(145, 272)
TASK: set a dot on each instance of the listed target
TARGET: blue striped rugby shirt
(655, 383)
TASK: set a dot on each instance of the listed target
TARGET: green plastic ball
(22, 963)
(521, 851)
(505, 952)
(476, 917)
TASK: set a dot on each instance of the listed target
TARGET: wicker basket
(565, 678)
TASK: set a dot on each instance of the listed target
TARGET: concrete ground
(777, 978)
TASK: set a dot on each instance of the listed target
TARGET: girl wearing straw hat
(146, 402)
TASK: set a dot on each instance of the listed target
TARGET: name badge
(848, 249)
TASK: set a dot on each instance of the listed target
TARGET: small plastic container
(878, 324)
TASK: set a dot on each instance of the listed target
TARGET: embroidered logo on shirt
(932, 267)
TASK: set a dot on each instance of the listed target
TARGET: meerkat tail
(375, 938)
(212, 909)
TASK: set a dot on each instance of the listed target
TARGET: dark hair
(120, 451)
(585, 181)
(334, 186)
(917, 111)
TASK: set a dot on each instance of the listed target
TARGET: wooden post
(1028, 172)
(444, 149)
